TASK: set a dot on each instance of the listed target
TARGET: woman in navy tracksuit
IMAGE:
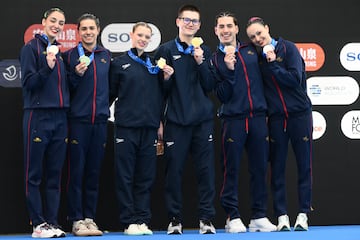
(243, 115)
(89, 111)
(46, 101)
(290, 118)
(136, 84)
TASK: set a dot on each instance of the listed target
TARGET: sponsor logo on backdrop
(116, 37)
(343, 90)
(319, 125)
(10, 73)
(313, 55)
(68, 38)
(350, 56)
(350, 124)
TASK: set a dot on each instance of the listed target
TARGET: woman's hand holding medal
(168, 70)
(269, 52)
(51, 52)
(81, 68)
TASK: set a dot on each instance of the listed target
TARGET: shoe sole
(148, 232)
(60, 236)
(299, 229)
(240, 231)
(133, 234)
(261, 230)
(38, 236)
(284, 229)
(95, 234)
(81, 234)
(175, 232)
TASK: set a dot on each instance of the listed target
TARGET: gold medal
(197, 41)
(161, 63)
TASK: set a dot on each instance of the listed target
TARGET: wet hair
(226, 14)
(51, 10)
(88, 16)
(255, 20)
(188, 7)
(144, 24)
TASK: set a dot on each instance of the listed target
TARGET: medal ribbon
(273, 42)
(82, 52)
(189, 50)
(151, 68)
(47, 39)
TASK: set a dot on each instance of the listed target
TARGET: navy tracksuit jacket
(89, 111)
(137, 119)
(188, 127)
(46, 101)
(290, 118)
(243, 115)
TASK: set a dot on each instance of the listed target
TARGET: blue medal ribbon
(81, 52)
(189, 50)
(273, 42)
(47, 39)
(151, 68)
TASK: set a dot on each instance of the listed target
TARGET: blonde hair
(144, 24)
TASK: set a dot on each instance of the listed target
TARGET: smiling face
(188, 23)
(226, 30)
(140, 37)
(53, 24)
(259, 34)
(88, 31)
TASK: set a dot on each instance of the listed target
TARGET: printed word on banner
(68, 38)
(350, 56)
(350, 124)
(332, 90)
(319, 125)
(116, 37)
(312, 54)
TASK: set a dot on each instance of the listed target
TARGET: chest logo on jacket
(176, 57)
(125, 66)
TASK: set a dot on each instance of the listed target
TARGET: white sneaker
(79, 228)
(283, 223)
(261, 225)
(133, 229)
(144, 229)
(234, 226)
(57, 230)
(206, 227)
(174, 227)
(43, 230)
(92, 227)
(301, 223)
